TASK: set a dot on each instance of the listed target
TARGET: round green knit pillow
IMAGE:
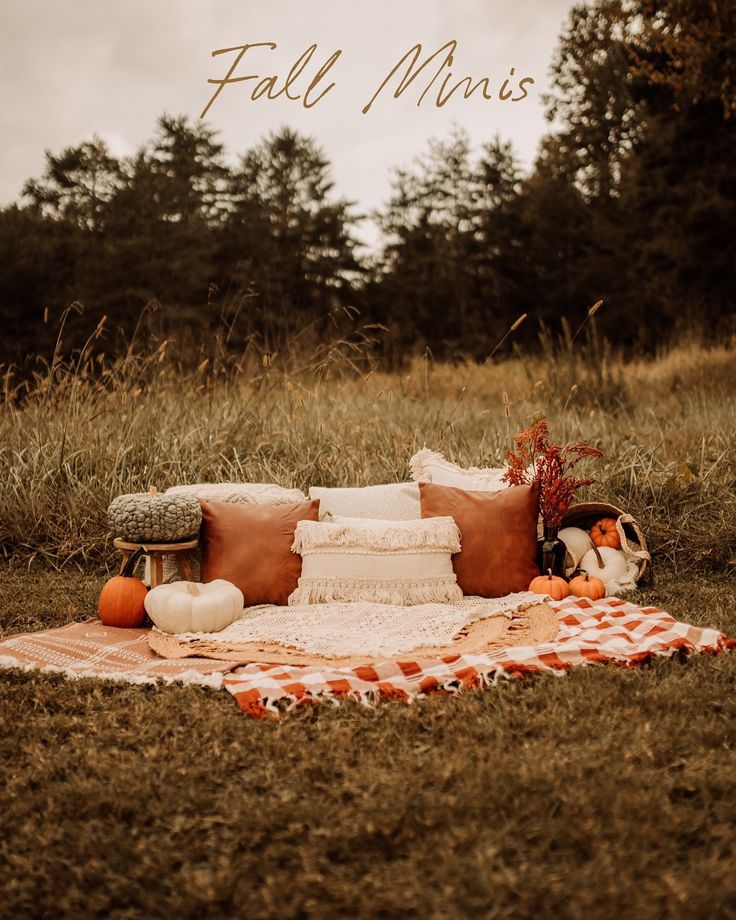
(150, 517)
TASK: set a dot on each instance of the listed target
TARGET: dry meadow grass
(80, 433)
(603, 793)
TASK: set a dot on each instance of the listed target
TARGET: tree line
(631, 199)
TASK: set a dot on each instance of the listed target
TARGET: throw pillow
(498, 532)
(382, 562)
(397, 501)
(247, 493)
(430, 466)
(250, 546)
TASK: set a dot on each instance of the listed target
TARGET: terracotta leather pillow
(250, 546)
(498, 535)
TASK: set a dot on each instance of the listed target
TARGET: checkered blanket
(607, 631)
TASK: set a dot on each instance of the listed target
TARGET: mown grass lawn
(604, 793)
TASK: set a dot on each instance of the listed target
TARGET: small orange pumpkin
(557, 588)
(584, 585)
(604, 533)
(121, 599)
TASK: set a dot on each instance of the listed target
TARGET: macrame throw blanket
(344, 632)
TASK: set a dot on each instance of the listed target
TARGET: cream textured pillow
(430, 466)
(379, 561)
(248, 493)
(397, 501)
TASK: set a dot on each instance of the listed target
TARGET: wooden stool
(156, 553)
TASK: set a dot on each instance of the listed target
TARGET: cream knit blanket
(378, 630)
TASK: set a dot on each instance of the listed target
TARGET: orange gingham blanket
(591, 632)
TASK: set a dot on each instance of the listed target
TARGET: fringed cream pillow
(430, 466)
(382, 562)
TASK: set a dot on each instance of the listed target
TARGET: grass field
(604, 793)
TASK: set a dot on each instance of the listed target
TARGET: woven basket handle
(628, 519)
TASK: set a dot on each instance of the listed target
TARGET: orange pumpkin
(584, 585)
(557, 588)
(121, 599)
(604, 533)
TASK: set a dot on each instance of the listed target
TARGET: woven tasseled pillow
(378, 561)
(430, 466)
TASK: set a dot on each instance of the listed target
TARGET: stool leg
(186, 567)
(126, 556)
(157, 570)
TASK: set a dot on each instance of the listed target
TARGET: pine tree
(287, 240)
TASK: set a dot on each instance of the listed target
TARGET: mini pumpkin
(150, 517)
(585, 586)
(557, 588)
(187, 606)
(122, 598)
(604, 533)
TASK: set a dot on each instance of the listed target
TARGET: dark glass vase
(551, 552)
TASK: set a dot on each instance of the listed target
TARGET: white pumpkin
(578, 543)
(614, 570)
(187, 606)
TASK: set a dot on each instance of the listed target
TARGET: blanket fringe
(214, 681)
(483, 679)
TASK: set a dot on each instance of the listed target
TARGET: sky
(83, 67)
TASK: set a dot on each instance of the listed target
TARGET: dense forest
(632, 200)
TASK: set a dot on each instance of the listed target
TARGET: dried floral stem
(551, 465)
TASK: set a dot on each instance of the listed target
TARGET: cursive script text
(431, 75)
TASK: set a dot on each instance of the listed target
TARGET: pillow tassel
(440, 534)
(420, 460)
(405, 593)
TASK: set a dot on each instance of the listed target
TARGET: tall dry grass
(81, 431)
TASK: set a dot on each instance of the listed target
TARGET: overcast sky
(74, 68)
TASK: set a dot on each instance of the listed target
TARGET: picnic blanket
(90, 649)
(607, 631)
(590, 632)
(358, 633)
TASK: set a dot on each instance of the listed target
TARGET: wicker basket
(585, 514)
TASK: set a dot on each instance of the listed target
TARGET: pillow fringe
(440, 533)
(404, 592)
